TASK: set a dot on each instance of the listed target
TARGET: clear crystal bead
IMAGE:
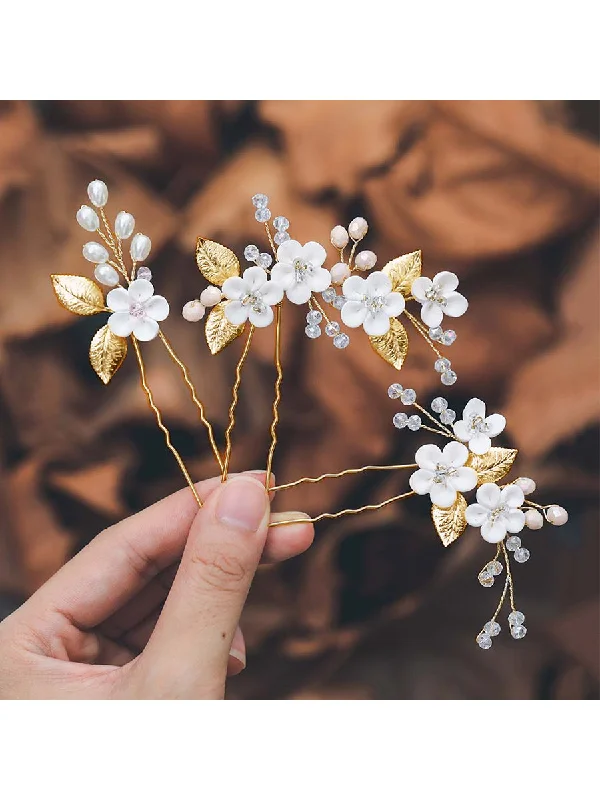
(408, 396)
(281, 237)
(332, 328)
(449, 377)
(435, 333)
(484, 640)
(441, 365)
(448, 338)
(439, 404)
(486, 578)
(492, 628)
(414, 422)
(448, 416)
(339, 301)
(265, 260)
(394, 391)
(495, 567)
(328, 294)
(312, 331)
(522, 555)
(516, 618)
(281, 223)
(260, 201)
(251, 252)
(400, 420)
(513, 543)
(314, 317)
(144, 273)
(341, 341)
(518, 631)
(262, 215)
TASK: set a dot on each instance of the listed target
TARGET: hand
(150, 608)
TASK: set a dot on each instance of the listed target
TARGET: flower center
(255, 301)
(478, 424)
(443, 472)
(302, 270)
(497, 512)
(435, 296)
(373, 304)
(136, 309)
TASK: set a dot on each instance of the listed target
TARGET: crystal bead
(339, 273)
(533, 519)
(557, 515)
(448, 416)
(339, 237)
(314, 317)
(522, 555)
(518, 631)
(513, 543)
(527, 485)
(484, 640)
(400, 420)
(441, 365)
(394, 391)
(312, 331)
(486, 578)
(439, 404)
(265, 260)
(262, 215)
(365, 260)
(448, 338)
(492, 628)
(106, 275)
(449, 377)
(339, 301)
(358, 228)
(332, 328)
(516, 618)
(414, 422)
(281, 237)
(260, 200)
(145, 273)
(341, 341)
(495, 567)
(281, 223)
(251, 252)
(408, 396)
(436, 333)
(329, 294)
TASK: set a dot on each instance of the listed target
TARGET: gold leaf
(215, 261)
(107, 353)
(492, 466)
(78, 294)
(450, 522)
(219, 331)
(403, 270)
(393, 345)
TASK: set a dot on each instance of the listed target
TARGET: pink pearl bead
(210, 296)
(533, 519)
(193, 311)
(339, 273)
(364, 260)
(527, 485)
(557, 515)
(339, 237)
(358, 228)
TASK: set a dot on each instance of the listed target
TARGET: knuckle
(223, 571)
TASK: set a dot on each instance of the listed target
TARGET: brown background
(503, 193)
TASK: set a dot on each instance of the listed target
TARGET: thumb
(188, 651)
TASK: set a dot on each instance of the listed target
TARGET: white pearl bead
(527, 485)
(94, 252)
(211, 296)
(193, 311)
(557, 515)
(124, 225)
(365, 260)
(533, 519)
(106, 275)
(358, 228)
(339, 237)
(88, 219)
(140, 247)
(339, 273)
(98, 193)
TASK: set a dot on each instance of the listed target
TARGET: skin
(150, 608)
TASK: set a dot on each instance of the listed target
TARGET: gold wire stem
(320, 308)
(436, 430)
(433, 419)
(351, 256)
(195, 398)
(234, 401)
(341, 252)
(509, 577)
(421, 330)
(277, 398)
(271, 242)
(160, 423)
(343, 513)
(353, 471)
(535, 505)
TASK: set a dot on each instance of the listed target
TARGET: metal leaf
(492, 466)
(219, 331)
(403, 270)
(450, 522)
(78, 294)
(393, 345)
(215, 261)
(107, 353)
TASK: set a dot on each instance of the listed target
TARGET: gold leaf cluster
(219, 331)
(450, 522)
(492, 466)
(78, 294)
(216, 262)
(393, 345)
(402, 271)
(107, 353)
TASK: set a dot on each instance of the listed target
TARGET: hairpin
(236, 302)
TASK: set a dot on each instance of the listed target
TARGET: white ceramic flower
(370, 302)
(477, 429)
(497, 511)
(442, 473)
(251, 297)
(439, 297)
(299, 270)
(136, 310)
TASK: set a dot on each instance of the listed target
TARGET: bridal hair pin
(239, 301)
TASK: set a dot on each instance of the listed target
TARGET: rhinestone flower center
(137, 310)
(443, 472)
(497, 512)
(373, 304)
(302, 269)
(254, 300)
(478, 424)
(435, 296)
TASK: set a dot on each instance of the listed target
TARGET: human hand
(150, 608)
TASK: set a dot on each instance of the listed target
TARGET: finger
(188, 653)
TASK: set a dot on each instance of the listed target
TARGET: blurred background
(504, 193)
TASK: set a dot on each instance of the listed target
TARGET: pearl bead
(365, 260)
(339, 237)
(527, 485)
(339, 273)
(211, 296)
(106, 275)
(358, 228)
(124, 225)
(557, 515)
(533, 519)
(94, 252)
(88, 219)
(140, 247)
(98, 193)
(193, 311)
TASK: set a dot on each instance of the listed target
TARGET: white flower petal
(495, 424)
(442, 496)
(145, 329)
(378, 284)
(121, 323)
(476, 515)
(494, 532)
(432, 314)
(488, 496)
(319, 280)
(512, 496)
(236, 313)
(475, 407)
(376, 324)
(455, 454)
(254, 278)
(140, 290)
(315, 253)
(353, 314)
(421, 481)
(261, 319)
(428, 456)
(464, 479)
(479, 443)
(515, 521)
(289, 251)
(118, 299)
(445, 282)
(271, 293)
(298, 293)
(420, 287)
(157, 308)
(394, 304)
(354, 287)
(456, 305)
(284, 275)
(234, 288)
(461, 430)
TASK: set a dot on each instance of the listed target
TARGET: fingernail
(242, 504)
(239, 656)
(282, 516)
